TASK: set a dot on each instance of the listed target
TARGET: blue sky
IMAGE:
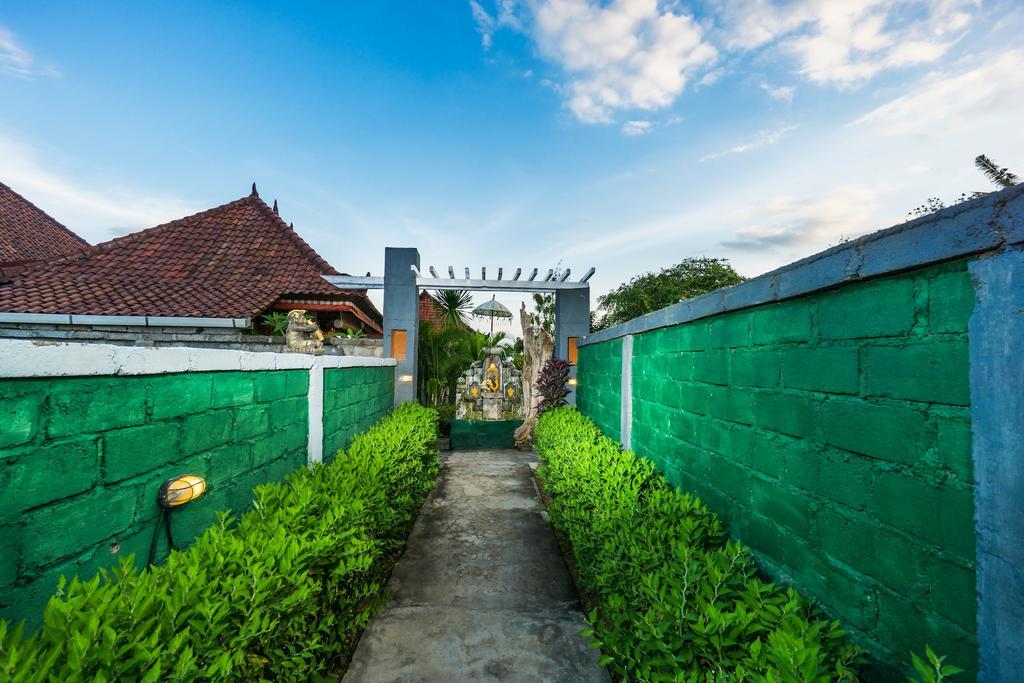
(625, 135)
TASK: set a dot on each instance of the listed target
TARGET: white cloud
(636, 128)
(806, 224)
(626, 55)
(961, 99)
(485, 24)
(96, 216)
(19, 62)
(764, 139)
(845, 43)
(782, 93)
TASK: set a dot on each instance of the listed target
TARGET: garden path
(481, 593)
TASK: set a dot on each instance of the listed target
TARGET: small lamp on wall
(178, 491)
(173, 494)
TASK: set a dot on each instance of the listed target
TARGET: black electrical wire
(165, 520)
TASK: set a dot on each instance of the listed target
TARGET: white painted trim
(38, 358)
(315, 447)
(626, 419)
(120, 320)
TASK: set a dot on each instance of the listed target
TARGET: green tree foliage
(653, 291)
(455, 305)
(282, 595)
(444, 354)
(544, 309)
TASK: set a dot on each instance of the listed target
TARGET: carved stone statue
(538, 347)
(303, 334)
(489, 389)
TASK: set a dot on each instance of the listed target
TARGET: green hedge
(281, 595)
(674, 600)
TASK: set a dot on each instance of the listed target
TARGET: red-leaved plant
(552, 383)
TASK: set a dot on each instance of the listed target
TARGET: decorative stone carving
(538, 347)
(489, 389)
(303, 334)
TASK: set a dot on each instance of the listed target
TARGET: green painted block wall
(354, 399)
(832, 433)
(599, 385)
(81, 460)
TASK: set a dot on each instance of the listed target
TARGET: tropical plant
(544, 308)
(1000, 176)
(455, 305)
(282, 595)
(479, 342)
(653, 291)
(352, 333)
(672, 599)
(518, 353)
(553, 384)
(277, 321)
(443, 355)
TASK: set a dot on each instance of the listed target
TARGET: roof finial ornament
(254, 192)
(276, 212)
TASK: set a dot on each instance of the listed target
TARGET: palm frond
(1000, 176)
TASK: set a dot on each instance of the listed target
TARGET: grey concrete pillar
(572, 319)
(402, 318)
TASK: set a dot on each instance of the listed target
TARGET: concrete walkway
(481, 593)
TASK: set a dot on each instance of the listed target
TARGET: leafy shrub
(445, 415)
(933, 668)
(552, 384)
(674, 600)
(282, 595)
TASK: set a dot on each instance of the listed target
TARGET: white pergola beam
(552, 282)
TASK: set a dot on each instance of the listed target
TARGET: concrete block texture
(832, 433)
(82, 458)
(481, 592)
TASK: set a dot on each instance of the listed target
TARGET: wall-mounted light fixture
(177, 491)
(405, 378)
(174, 493)
(571, 381)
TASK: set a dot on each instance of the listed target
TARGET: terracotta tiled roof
(430, 310)
(27, 234)
(232, 261)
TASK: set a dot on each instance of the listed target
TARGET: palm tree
(443, 355)
(455, 305)
(1000, 176)
(481, 341)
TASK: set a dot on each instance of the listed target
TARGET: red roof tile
(231, 261)
(27, 234)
